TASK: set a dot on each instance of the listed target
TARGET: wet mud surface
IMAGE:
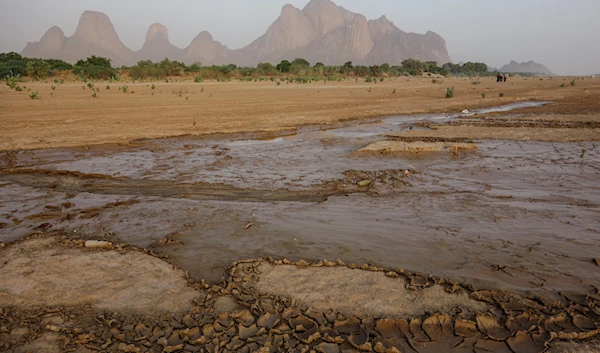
(518, 217)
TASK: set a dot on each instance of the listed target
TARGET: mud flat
(487, 249)
(242, 313)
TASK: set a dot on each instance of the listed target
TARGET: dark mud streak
(69, 181)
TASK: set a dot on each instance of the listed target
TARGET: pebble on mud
(98, 244)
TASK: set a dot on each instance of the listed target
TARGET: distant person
(499, 77)
(505, 77)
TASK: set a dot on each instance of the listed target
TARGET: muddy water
(517, 215)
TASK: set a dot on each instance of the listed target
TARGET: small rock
(98, 244)
(171, 349)
(364, 183)
(246, 332)
(246, 318)
(302, 263)
(128, 348)
(327, 348)
(348, 326)
(267, 320)
(208, 331)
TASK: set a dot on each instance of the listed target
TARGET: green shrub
(501, 94)
(198, 79)
(38, 69)
(450, 92)
(562, 85)
(124, 88)
(94, 67)
(483, 95)
(95, 72)
(572, 83)
(368, 79)
(12, 81)
(33, 95)
(53, 87)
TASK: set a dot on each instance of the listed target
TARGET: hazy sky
(563, 35)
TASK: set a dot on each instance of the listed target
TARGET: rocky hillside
(529, 67)
(321, 31)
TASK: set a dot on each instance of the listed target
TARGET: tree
(266, 68)
(38, 69)
(94, 61)
(145, 63)
(284, 66)
(300, 62)
(56, 64)
(347, 68)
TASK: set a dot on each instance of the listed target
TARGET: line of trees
(101, 68)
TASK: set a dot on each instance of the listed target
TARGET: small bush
(94, 95)
(53, 87)
(38, 69)
(107, 87)
(450, 92)
(124, 88)
(483, 95)
(153, 86)
(12, 81)
(33, 95)
(562, 85)
(501, 94)
(198, 79)
(572, 83)
(368, 79)
(394, 91)
(278, 83)
(90, 85)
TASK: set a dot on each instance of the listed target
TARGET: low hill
(529, 67)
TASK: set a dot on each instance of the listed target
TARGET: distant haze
(560, 34)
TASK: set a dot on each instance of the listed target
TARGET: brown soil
(71, 117)
(416, 147)
(42, 272)
(359, 293)
(503, 133)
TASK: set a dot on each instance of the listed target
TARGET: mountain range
(320, 32)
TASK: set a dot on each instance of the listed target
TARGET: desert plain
(327, 217)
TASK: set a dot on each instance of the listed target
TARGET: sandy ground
(69, 116)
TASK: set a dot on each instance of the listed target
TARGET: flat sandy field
(69, 116)
(335, 217)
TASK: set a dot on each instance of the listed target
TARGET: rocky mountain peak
(157, 31)
(326, 15)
